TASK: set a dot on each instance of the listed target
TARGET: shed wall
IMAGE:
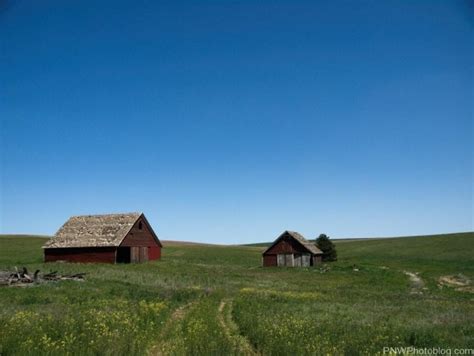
(286, 245)
(269, 260)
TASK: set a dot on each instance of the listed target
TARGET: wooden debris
(324, 268)
(23, 278)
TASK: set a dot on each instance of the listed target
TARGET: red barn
(111, 238)
(291, 249)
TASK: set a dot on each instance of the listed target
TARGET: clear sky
(231, 121)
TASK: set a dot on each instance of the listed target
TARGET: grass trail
(171, 324)
(239, 343)
(417, 284)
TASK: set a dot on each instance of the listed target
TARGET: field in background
(205, 299)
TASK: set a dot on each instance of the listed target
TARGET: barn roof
(94, 231)
(311, 247)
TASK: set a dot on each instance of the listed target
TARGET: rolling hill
(201, 299)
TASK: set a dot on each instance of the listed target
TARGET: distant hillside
(359, 239)
(258, 244)
(377, 244)
(24, 236)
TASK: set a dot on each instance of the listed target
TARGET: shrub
(329, 249)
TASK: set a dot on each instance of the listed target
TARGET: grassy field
(204, 299)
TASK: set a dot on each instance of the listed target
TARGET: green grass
(204, 299)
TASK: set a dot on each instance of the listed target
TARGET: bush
(329, 249)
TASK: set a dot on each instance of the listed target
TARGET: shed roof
(311, 247)
(107, 230)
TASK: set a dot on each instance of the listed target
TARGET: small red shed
(110, 238)
(291, 249)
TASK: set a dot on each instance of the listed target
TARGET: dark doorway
(123, 255)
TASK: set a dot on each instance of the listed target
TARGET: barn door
(306, 260)
(143, 254)
(280, 260)
(134, 254)
(138, 254)
(289, 261)
(298, 260)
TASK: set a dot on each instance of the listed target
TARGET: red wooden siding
(269, 260)
(286, 245)
(143, 238)
(139, 237)
(84, 255)
(154, 253)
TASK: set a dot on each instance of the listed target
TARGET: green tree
(329, 249)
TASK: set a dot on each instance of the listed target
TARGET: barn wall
(154, 253)
(143, 238)
(84, 255)
(269, 260)
(317, 260)
(137, 237)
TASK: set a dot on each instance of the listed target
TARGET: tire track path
(177, 315)
(417, 284)
(231, 330)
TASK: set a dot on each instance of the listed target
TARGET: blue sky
(231, 121)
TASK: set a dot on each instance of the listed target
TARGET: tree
(327, 247)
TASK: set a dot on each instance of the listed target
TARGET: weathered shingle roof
(311, 247)
(93, 231)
